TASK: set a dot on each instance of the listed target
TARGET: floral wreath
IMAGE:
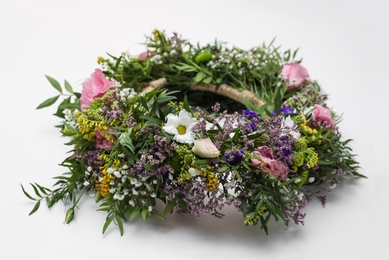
(195, 128)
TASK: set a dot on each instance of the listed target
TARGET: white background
(345, 47)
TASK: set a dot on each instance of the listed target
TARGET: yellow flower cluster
(104, 187)
(212, 180)
(253, 219)
(303, 155)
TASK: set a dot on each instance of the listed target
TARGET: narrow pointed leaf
(68, 87)
(54, 83)
(27, 195)
(36, 207)
(48, 102)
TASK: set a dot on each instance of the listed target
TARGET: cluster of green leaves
(184, 65)
(71, 101)
(147, 111)
(65, 189)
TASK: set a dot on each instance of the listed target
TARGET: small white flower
(86, 183)
(112, 190)
(311, 179)
(289, 123)
(194, 172)
(153, 195)
(150, 208)
(124, 179)
(180, 126)
(118, 196)
(131, 202)
(110, 170)
(297, 181)
(89, 169)
(134, 192)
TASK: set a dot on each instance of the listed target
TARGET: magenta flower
(102, 142)
(144, 55)
(294, 74)
(94, 87)
(322, 114)
(267, 163)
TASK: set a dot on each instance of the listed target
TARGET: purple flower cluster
(234, 156)
(252, 115)
(280, 139)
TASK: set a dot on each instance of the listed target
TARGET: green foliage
(134, 128)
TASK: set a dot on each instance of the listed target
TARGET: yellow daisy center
(181, 129)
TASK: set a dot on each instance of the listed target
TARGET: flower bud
(69, 215)
(205, 148)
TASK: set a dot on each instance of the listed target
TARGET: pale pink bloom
(144, 55)
(102, 142)
(267, 163)
(294, 74)
(322, 114)
(94, 87)
(205, 148)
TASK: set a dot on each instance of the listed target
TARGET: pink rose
(144, 55)
(294, 74)
(94, 87)
(267, 163)
(102, 142)
(322, 114)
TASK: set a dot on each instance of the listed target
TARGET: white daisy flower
(180, 126)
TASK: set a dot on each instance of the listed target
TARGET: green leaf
(68, 87)
(48, 102)
(156, 214)
(199, 77)
(36, 190)
(43, 189)
(135, 213)
(170, 206)
(186, 104)
(207, 80)
(107, 223)
(27, 195)
(54, 83)
(120, 225)
(144, 214)
(36, 207)
(258, 206)
(244, 207)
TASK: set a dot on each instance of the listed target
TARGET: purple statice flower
(253, 116)
(250, 114)
(279, 138)
(234, 156)
(286, 110)
(215, 108)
